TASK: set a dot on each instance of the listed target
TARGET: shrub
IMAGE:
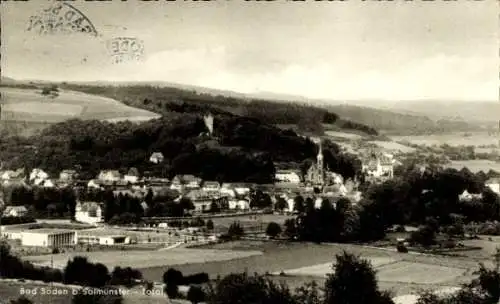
(402, 248)
(425, 236)
(273, 230)
(195, 294)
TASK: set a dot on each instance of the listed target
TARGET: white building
(109, 175)
(239, 204)
(188, 181)
(287, 176)
(103, 240)
(241, 189)
(15, 211)
(48, 237)
(94, 184)
(67, 175)
(37, 176)
(132, 176)
(156, 158)
(227, 192)
(47, 183)
(380, 167)
(466, 196)
(493, 184)
(89, 212)
(210, 186)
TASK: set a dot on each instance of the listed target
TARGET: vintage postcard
(251, 152)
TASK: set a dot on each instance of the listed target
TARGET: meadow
(475, 165)
(344, 135)
(311, 262)
(144, 259)
(30, 106)
(452, 139)
(392, 146)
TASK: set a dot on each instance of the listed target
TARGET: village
(209, 199)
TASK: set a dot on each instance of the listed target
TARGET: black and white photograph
(250, 152)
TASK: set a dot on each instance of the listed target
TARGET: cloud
(436, 77)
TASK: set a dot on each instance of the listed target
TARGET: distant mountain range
(377, 113)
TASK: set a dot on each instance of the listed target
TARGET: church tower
(320, 165)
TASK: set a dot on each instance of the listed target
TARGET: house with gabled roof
(68, 175)
(188, 181)
(288, 176)
(38, 175)
(493, 184)
(156, 158)
(132, 176)
(109, 175)
(15, 211)
(210, 186)
(89, 212)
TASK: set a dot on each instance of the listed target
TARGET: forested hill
(165, 100)
(387, 121)
(240, 149)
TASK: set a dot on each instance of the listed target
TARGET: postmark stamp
(125, 49)
(60, 18)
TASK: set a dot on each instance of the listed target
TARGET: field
(145, 259)
(30, 106)
(306, 262)
(392, 146)
(392, 270)
(344, 135)
(452, 139)
(475, 165)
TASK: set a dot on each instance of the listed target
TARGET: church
(316, 173)
(319, 174)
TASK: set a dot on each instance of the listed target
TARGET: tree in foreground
(353, 282)
(309, 293)
(172, 279)
(21, 300)
(273, 230)
(242, 288)
(195, 294)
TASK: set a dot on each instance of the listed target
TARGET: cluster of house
(379, 166)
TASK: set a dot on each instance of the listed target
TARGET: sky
(350, 50)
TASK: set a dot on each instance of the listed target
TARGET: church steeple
(321, 168)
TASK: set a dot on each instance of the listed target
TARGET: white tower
(209, 123)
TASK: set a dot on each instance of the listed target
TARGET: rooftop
(48, 231)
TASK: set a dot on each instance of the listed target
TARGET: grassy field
(344, 135)
(145, 259)
(392, 270)
(393, 146)
(452, 139)
(29, 105)
(475, 165)
(400, 272)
